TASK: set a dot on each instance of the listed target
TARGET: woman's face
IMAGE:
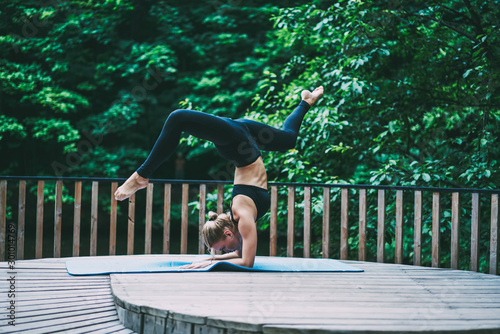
(229, 243)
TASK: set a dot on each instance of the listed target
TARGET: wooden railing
(382, 212)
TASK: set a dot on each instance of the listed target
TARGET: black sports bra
(260, 197)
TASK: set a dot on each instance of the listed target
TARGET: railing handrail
(295, 184)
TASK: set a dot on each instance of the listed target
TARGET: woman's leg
(204, 126)
(271, 139)
(218, 130)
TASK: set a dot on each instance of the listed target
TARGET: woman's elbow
(248, 264)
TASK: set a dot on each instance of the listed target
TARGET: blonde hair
(213, 230)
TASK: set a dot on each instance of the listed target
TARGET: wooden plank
(398, 251)
(455, 229)
(149, 219)
(381, 225)
(66, 303)
(108, 327)
(52, 326)
(77, 218)
(362, 225)
(494, 235)
(39, 219)
(21, 220)
(220, 199)
(131, 225)
(112, 219)
(273, 239)
(167, 197)
(3, 218)
(93, 218)
(202, 217)
(307, 222)
(344, 223)
(58, 219)
(326, 223)
(417, 229)
(184, 218)
(474, 235)
(291, 221)
(436, 222)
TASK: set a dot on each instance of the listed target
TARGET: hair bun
(212, 215)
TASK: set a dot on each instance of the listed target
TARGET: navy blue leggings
(239, 141)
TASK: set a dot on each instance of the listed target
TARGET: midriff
(253, 174)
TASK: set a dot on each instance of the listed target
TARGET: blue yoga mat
(137, 264)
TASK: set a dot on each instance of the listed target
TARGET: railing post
(474, 242)
(398, 252)
(184, 218)
(381, 226)
(93, 218)
(202, 218)
(149, 219)
(307, 222)
(274, 221)
(291, 221)
(77, 218)
(220, 199)
(21, 220)
(131, 225)
(344, 223)
(362, 225)
(167, 198)
(417, 229)
(58, 219)
(326, 222)
(494, 235)
(39, 219)
(455, 229)
(436, 220)
(112, 220)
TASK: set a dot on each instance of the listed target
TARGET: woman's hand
(197, 265)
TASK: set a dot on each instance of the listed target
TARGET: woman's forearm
(227, 256)
(241, 262)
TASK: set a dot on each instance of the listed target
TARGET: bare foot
(312, 98)
(133, 183)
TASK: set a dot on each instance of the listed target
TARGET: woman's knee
(178, 115)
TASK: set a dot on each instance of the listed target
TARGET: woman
(239, 141)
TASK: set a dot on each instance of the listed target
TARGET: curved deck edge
(149, 313)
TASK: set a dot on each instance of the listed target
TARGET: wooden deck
(384, 298)
(48, 300)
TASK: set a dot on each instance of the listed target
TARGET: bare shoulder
(243, 208)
